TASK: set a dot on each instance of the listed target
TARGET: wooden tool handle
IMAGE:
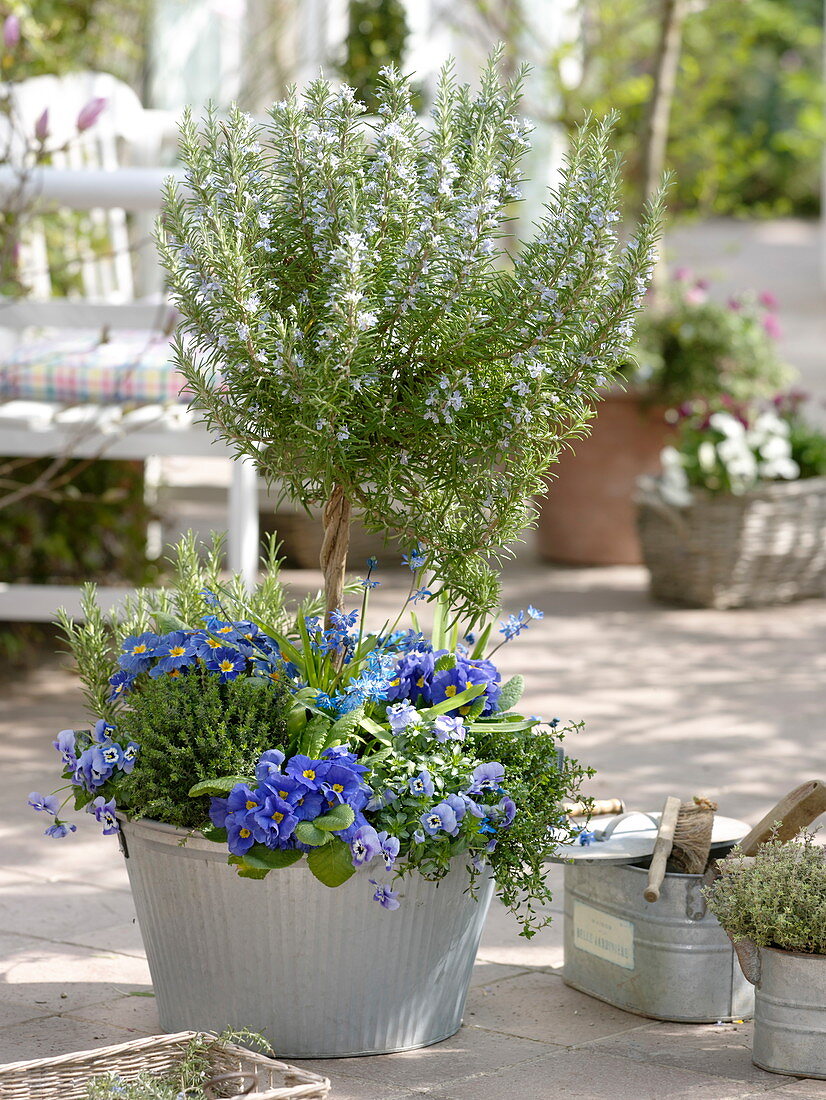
(794, 812)
(662, 848)
(597, 806)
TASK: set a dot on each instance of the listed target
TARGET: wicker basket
(764, 547)
(67, 1076)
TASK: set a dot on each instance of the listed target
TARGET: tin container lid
(629, 837)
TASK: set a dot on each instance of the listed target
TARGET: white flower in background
(707, 455)
(673, 483)
(729, 425)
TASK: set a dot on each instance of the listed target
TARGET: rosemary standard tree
(351, 320)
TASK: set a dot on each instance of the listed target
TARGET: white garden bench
(91, 376)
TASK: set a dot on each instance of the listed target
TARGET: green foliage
(349, 289)
(192, 728)
(332, 864)
(539, 786)
(94, 526)
(746, 132)
(776, 900)
(91, 642)
(690, 346)
(376, 36)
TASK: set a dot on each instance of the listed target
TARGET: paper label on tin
(607, 937)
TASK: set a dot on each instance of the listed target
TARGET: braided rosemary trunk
(333, 557)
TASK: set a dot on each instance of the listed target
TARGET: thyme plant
(352, 320)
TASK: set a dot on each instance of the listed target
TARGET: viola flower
(440, 817)
(387, 898)
(66, 745)
(458, 804)
(487, 777)
(228, 662)
(446, 728)
(421, 785)
(120, 684)
(379, 801)
(128, 757)
(507, 810)
(104, 812)
(100, 734)
(390, 846)
(60, 829)
(44, 803)
(365, 845)
(269, 764)
(401, 715)
(137, 652)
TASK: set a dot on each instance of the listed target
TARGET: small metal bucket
(789, 1010)
(322, 973)
(668, 959)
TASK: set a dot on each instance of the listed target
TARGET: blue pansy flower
(447, 728)
(487, 777)
(387, 898)
(66, 745)
(101, 732)
(439, 818)
(507, 812)
(421, 784)
(229, 663)
(390, 846)
(458, 804)
(104, 813)
(365, 845)
(129, 756)
(44, 803)
(60, 829)
(401, 715)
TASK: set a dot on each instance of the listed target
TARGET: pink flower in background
(682, 274)
(734, 304)
(772, 326)
(767, 299)
(696, 295)
(91, 113)
(11, 31)
(41, 127)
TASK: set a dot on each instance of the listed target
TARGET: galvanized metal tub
(668, 959)
(789, 1011)
(321, 972)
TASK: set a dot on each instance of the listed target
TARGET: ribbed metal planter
(320, 972)
(668, 959)
(789, 1010)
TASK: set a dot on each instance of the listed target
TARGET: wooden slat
(70, 313)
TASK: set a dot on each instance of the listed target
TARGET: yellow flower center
(224, 630)
(175, 672)
(251, 805)
(139, 649)
(226, 666)
(177, 651)
(450, 690)
(213, 644)
(420, 682)
(282, 794)
(338, 788)
(395, 683)
(244, 833)
(277, 816)
(309, 774)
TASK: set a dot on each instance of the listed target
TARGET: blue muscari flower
(104, 812)
(487, 777)
(439, 817)
(175, 651)
(66, 745)
(137, 652)
(419, 594)
(342, 622)
(313, 625)
(372, 563)
(421, 784)
(209, 598)
(60, 829)
(414, 560)
(229, 663)
(387, 898)
(514, 625)
(120, 684)
(364, 846)
(44, 803)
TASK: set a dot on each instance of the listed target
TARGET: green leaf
(340, 817)
(511, 692)
(222, 785)
(212, 832)
(314, 736)
(261, 856)
(343, 728)
(481, 643)
(446, 663)
(297, 719)
(514, 726)
(168, 624)
(244, 870)
(309, 833)
(332, 864)
(82, 798)
(458, 700)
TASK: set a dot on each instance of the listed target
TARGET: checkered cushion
(75, 368)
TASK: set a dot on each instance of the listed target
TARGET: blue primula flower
(311, 773)
(137, 652)
(340, 782)
(120, 684)
(276, 821)
(411, 677)
(269, 764)
(229, 663)
(175, 651)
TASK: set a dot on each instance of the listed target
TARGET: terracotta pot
(588, 515)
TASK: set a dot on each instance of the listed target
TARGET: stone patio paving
(675, 701)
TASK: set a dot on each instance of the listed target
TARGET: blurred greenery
(747, 125)
(376, 36)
